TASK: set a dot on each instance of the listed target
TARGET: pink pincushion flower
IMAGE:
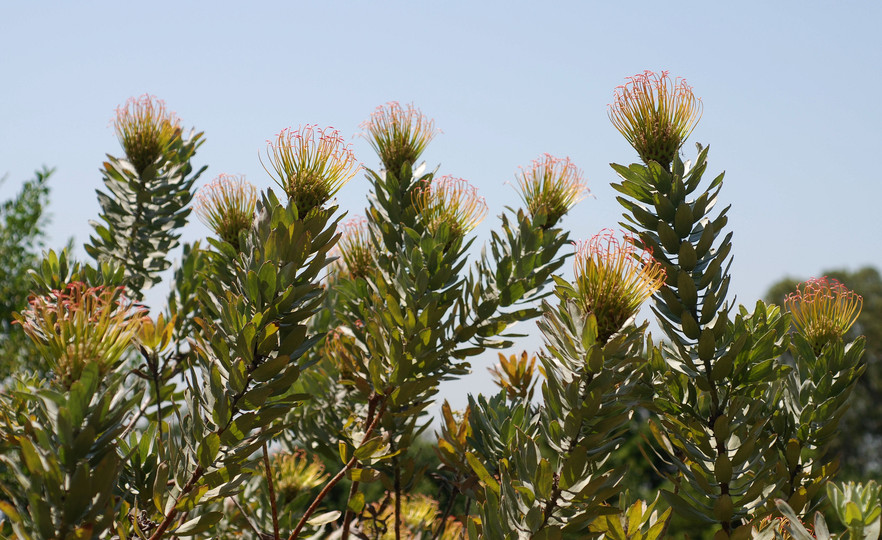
(398, 134)
(311, 164)
(551, 186)
(81, 325)
(145, 128)
(613, 278)
(823, 310)
(226, 206)
(655, 114)
(451, 201)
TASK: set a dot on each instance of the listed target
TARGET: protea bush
(285, 390)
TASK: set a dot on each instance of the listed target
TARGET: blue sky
(790, 90)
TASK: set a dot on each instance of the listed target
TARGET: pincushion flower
(355, 247)
(226, 206)
(310, 164)
(80, 325)
(451, 201)
(655, 114)
(551, 186)
(297, 472)
(613, 278)
(145, 128)
(823, 310)
(398, 134)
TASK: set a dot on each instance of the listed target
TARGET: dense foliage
(283, 391)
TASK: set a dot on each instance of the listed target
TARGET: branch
(333, 481)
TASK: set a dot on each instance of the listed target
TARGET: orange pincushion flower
(145, 129)
(398, 134)
(226, 206)
(452, 201)
(80, 325)
(311, 164)
(613, 279)
(655, 114)
(551, 186)
(823, 310)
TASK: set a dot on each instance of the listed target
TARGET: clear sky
(791, 94)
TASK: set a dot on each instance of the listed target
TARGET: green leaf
(482, 472)
(208, 450)
(320, 519)
(199, 524)
(356, 503)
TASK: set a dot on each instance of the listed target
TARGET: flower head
(145, 129)
(551, 187)
(296, 472)
(81, 325)
(823, 310)
(655, 114)
(398, 134)
(311, 164)
(613, 279)
(355, 247)
(226, 206)
(452, 201)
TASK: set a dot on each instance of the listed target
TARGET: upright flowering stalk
(355, 247)
(823, 310)
(79, 325)
(655, 114)
(398, 134)
(551, 186)
(145, 128)
(613, 279)
(310, 164)
(226, 206)
(452, 201)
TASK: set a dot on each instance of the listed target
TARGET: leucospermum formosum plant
(553, 477)
(284, 391)
(412, 316)
(149, 191)
(728, 405)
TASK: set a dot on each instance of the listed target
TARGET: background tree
(22, 222)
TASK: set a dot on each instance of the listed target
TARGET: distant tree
(860, 444)
(22, 222)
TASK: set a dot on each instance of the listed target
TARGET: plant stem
(442, 525)
(333, 481)
(397, 468)
(353, 489)
(272, 492)
(247, 519)
(170, 517)
(347, 518)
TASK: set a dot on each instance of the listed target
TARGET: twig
(442, 525)
(272, 492)
(333, 481)
(247, 519)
